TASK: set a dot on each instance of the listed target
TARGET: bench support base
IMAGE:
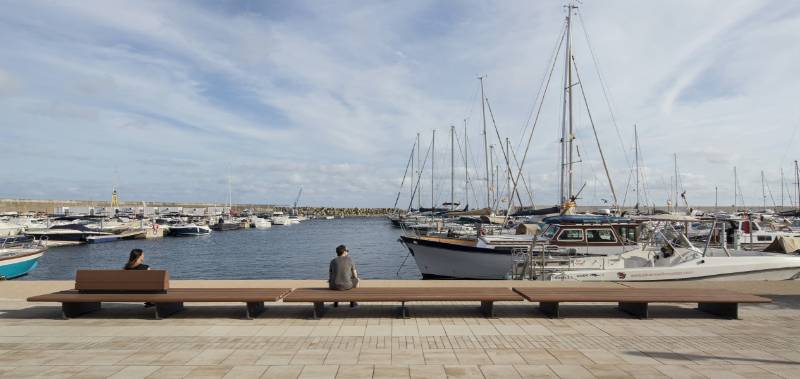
(403, 310)
(164, 310)
(634, 308)
(70, 310)
(726, 310)
(487, 308)
(254, 309)
(319, 310)
(549, 308)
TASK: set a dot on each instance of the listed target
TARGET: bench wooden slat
(650, 295)
(402, 294)
(122, 280)
(187, 295)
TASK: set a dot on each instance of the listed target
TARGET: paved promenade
(442, 340)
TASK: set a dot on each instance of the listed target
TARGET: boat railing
(22, 242)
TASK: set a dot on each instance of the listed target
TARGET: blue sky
(169, 99)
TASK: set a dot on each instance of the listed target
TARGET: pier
(122, 341)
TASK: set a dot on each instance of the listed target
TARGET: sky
(174, 100)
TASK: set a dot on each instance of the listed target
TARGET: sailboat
(227, 223)
(497, 256)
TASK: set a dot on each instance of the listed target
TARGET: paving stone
(283, 372)
(246, 372)
(499, 371)
(391, 372)
(209, 372)
(427, 372)
(352, 371)
(463, 371)
(318, 371)
(571, 371)
(535, 371)
(134, 372)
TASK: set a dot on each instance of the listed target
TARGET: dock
(440, 341)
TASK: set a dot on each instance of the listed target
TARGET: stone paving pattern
(442, 340)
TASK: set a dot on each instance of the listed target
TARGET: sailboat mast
(763, 190)
(565, 185)
(797, 183)
(466, 165)
(230, 198)
(452, 166)
(735, 188)
(508, 177)
(419, 178)
(636, 148)
(413, 174)
(783, 187)
(433, 160)
(675, 164)
(485, 145)
(569, 95)
(491, 185)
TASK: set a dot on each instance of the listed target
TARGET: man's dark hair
(341, 249)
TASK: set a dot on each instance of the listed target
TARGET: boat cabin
(589, 235)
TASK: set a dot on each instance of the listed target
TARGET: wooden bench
(319, 296)
(635, 300)
(94, 287)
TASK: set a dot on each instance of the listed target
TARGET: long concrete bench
(94, 287)
(635, 300)
(485, 295)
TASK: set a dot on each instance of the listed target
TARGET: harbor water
(300, 251)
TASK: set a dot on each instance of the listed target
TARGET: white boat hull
(711, 268)
(436, 260)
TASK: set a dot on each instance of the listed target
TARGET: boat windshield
(550, 231)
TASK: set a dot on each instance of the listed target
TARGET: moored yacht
(496, 256)
(188, 230)
(666, 257)
(19, 257)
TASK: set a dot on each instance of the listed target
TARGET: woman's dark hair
(340, 250)
(135, 254)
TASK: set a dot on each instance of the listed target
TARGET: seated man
(342, 273)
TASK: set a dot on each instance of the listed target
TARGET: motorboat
(278, 218)
(68, 234)
(750, 234)
(260, 223)
(9, 229)
(102, 239)
(188, 230)
(674, 257)
(19, 257)
(223, 225)
(495, 256)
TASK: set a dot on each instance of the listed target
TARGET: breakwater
(47, 206)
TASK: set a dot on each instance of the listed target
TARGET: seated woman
(136, 262)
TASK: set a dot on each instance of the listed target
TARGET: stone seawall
(47, 206)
